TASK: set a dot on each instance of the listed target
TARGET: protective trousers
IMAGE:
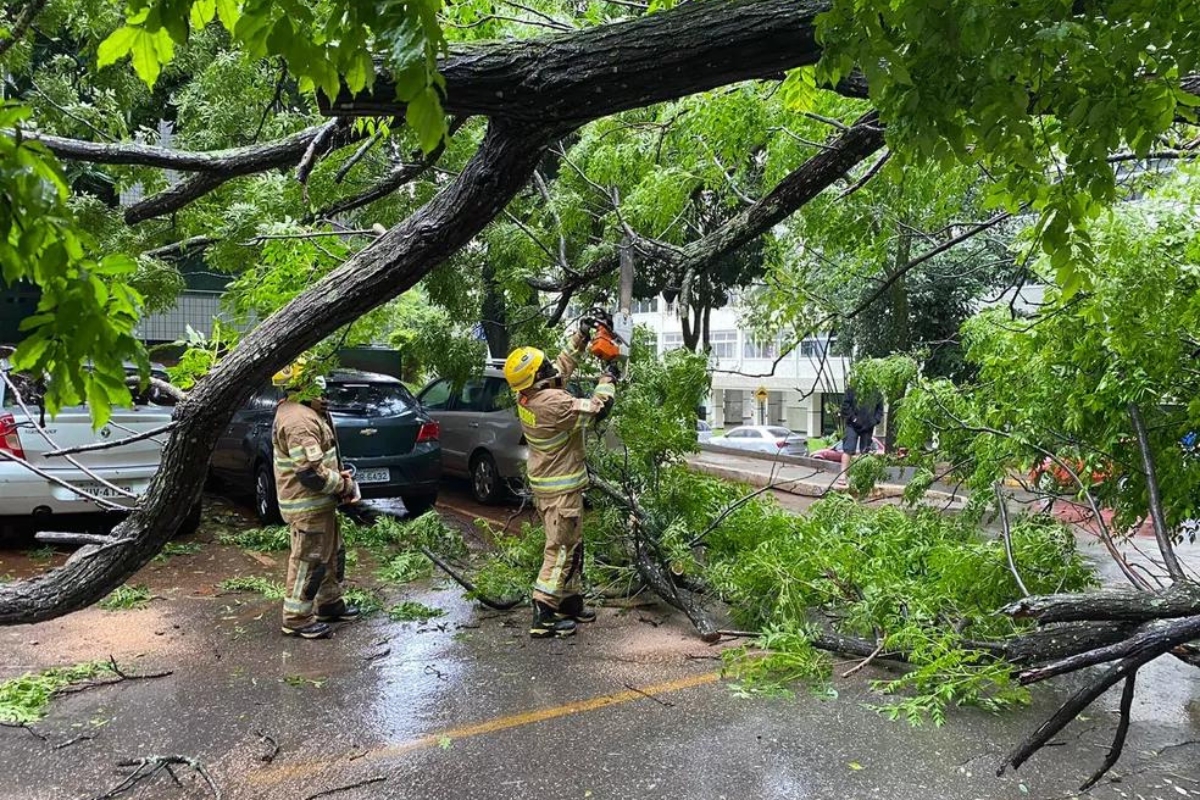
(316, 568)
(562, 561)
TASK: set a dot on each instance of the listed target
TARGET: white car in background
(26, 495)
(770, 439)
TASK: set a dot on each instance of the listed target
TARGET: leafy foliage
(126, 597)
(323, 43)
(1107, 75)
(88, 309)
(925, 583)
(24, 699)
(405, 567)
(262, 540)
(1060, 384)
(412, 611)
(253, 584)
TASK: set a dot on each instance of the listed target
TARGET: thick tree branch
(238, 160)
(1179, 600)
(575, 77)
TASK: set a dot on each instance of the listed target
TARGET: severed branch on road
(68, 537)
(498, 605)
(347, 787)
(643, 553)
(148, 767)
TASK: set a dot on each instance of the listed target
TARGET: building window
(815, 347)
(724, 343)
(765, 348)
(672, 341)
(645, 306)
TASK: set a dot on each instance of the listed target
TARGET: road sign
(760, 394)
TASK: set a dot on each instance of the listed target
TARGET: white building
(802, 393)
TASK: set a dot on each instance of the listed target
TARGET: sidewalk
(796, 478)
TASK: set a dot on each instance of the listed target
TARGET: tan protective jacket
(554, 422)
(303, 441)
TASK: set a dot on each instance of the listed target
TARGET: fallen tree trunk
(1179, 600)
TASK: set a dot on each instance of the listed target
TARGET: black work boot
(547, 624)
(573, 608)
(338, 612)
(317, 630)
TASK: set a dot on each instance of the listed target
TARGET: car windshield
(369, 399)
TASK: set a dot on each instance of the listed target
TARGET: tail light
(429, 432)
(10, 442)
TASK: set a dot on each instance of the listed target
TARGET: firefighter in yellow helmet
(554, 422)
(310, 485)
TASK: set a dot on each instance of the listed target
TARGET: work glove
(612, 371)
(578, 340)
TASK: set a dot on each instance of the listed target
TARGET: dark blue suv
(385, 438)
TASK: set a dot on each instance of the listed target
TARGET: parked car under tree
(387, 441)
(114, 475)
(482, 438)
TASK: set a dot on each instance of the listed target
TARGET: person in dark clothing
(860, 428)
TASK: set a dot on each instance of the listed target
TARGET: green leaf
(361, 72)
(202, 13)
(116, 46)
(229, 12)
(799, 89)
(97, 398)
(144, 52)
(425, 117)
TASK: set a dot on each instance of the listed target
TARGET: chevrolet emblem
(368, 431)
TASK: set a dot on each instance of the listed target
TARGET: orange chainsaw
(605, 343)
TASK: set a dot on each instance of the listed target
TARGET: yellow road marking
(295, 771)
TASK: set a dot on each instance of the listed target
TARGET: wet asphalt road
(468, 707)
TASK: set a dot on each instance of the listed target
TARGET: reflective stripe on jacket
(303, 441)
(554, 422)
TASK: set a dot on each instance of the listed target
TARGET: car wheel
(418, 504)
(486, 485)
(266, 506)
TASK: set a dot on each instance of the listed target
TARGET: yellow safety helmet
(293, 377)
(521, 367)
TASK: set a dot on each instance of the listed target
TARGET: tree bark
(1179, 600)
(391, 265)
(575, 77)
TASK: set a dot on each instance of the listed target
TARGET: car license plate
(107, 492)
(379, 475)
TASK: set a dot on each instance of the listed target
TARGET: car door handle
(472, 424)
